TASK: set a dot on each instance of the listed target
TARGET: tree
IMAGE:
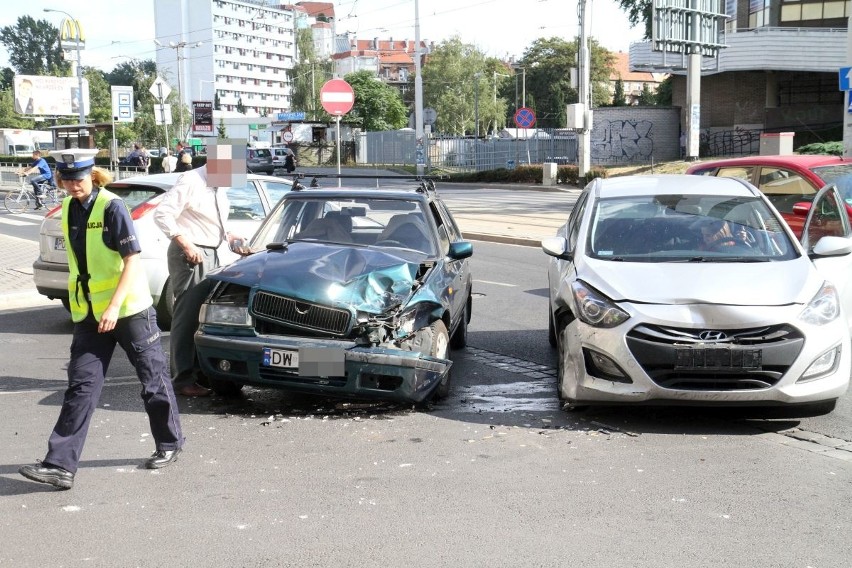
(378, 106)
(548, 64)
(140, 74)
(452, 77)
(33, 47)
(647, 97)
(664, 92)
(308, 75)
(639, 12)
(618, 99)
(241, 108)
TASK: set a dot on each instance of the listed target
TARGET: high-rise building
(238, 49)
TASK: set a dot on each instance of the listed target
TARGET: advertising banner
(42, 95)
(202, 116)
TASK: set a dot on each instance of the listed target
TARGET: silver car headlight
(823, 308)
(594, 308)
(224, 314)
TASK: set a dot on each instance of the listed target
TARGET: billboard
(49, 96)
(202, 116)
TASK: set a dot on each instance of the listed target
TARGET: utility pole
(847, 97)
(178, 47)
(77, 31)
(584, 75)
(420, 151)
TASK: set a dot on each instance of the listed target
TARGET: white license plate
(283, 358)
(59, 243)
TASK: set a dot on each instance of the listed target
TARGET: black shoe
(42, 473)
(39, 206)
(162, 458)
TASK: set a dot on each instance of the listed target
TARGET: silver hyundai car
(693, 290)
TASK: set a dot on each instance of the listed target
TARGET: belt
(207, 247)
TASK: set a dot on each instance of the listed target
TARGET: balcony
(760, 49)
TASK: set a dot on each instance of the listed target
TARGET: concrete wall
(635, 135)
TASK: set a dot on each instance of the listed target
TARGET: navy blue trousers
(91, 353)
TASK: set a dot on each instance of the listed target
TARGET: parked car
(350, 292)
(259, 161)
(249, 205)
(279, 156)
(692, 290)
(787, 180)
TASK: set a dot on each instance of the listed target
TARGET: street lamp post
(178, 47)
(79, 33)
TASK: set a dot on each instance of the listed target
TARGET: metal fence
(9, 173)
(467, 154)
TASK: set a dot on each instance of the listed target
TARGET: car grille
(720, 360)
(299, 314)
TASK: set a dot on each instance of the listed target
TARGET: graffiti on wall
(622, 141)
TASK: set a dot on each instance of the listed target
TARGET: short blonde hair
(100, 177)
(186, 158)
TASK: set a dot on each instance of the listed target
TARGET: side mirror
(832, 246)
(801, 209)
(556, 247)
(460, 249)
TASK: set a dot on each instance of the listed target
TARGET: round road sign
(524, 117)
(288, 136)
(337, 97)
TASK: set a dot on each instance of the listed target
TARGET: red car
(787, 180)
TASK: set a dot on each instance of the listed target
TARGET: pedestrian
(40, 167)
(289, 160)
(169, 161)
(184, 163)
(193, 215)
(110, 304)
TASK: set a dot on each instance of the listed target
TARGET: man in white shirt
(193, 215)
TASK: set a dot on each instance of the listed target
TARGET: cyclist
(42, 168)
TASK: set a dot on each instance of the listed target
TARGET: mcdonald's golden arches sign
(70, 33)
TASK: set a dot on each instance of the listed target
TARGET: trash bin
(549, 173)
(776, 143)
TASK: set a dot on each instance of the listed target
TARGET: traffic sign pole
(847, 116)
(337, 98)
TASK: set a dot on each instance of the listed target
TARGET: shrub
(831, 148)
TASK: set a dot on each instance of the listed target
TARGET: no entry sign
(337, 97)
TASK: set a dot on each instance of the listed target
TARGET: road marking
(497, 283)
(14, 222)
(32, 216)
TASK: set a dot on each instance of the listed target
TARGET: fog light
(224, 365)
(601, 366)
(823, 365)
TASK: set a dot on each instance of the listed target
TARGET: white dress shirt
(193, 210)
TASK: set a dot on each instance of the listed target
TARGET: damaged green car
(347, 292)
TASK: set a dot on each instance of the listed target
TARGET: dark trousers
(91, 353)
(191, 289)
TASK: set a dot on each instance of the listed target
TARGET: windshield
(670, 228)
(386, 223)
(839, 174)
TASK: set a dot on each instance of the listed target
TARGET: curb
(21, 300)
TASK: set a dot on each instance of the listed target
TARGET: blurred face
(226, 164)
(79, 189)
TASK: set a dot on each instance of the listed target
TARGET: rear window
(135, 196)
(260, 153)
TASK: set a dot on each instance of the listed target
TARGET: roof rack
(426, 183)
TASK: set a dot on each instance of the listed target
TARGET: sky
(498, 28)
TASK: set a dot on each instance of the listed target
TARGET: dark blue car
(347, 292)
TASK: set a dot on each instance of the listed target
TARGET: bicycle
(21, 199)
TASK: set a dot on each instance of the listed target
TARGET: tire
(551, 330)
(459, 338)
(435, 342)
(166, 306)
(225, 388)
(17, 202)
(561, 347)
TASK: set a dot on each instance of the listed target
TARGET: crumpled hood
(362, 278)
(731, 283)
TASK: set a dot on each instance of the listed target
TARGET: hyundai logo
(712, 335)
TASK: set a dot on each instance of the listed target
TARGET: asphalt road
(497, 475)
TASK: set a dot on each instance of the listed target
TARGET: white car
(249, 206)
(693, 290)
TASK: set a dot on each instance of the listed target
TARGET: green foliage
(548, 64)
(639, 12)
(241, 108)
(378, 106)
(664, 92)
(308, 76)
(33, 47)
(618, 99)
(830, 148)
(529, 174)
(450, 85)
(647, 97)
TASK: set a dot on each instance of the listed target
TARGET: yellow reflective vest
(104, 265)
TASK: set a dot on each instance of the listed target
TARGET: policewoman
(110, 304)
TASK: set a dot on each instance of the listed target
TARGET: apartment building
(238, 49)
(633, 82)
